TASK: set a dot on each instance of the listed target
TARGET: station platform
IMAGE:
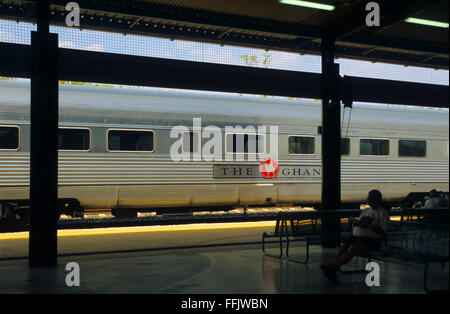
(198, 260)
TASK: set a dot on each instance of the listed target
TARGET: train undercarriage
(19, 210)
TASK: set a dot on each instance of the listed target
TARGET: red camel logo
(269, 168)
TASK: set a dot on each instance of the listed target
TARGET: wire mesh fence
(150, 46)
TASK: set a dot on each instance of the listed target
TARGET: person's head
(375, 199)
(434, 193)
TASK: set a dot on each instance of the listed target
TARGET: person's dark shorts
(372, 244)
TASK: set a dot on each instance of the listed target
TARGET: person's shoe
(329, 272)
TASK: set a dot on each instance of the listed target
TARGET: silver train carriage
(117, 152)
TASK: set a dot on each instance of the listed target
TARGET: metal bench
(283, 229)
(388, 247)
(409, 241)
(417, 244)
(307, 227)
(278, 232)
(423, 244)
(304, 230)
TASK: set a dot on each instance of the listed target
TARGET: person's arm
(377, 229)
(354, 222)
(382, 226)
(362, 224)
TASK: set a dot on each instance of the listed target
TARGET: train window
(374, 147)
(73, 139)
(412, 148)
(129, 140)
(244, 143)
(301, 145)
(9, 137)
(191, 142)
(345, 146)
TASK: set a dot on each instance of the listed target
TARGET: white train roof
(144, 105)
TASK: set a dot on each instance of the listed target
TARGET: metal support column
(331, 139)
(44, 142)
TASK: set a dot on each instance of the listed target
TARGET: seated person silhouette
(367, 234)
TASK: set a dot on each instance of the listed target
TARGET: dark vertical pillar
(44, 141)
(331, 137)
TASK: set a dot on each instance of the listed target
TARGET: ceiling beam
(186, 15)
(391, 13)
(100, 67)
(397, 43)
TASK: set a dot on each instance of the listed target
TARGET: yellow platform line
(146, 229)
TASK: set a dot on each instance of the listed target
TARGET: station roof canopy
(272, 24)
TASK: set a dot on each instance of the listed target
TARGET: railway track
(104, 218)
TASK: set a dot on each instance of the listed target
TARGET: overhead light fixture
(426, 22)
(309, 4)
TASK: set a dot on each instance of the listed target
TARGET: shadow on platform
(220, 270)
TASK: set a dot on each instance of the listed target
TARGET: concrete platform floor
(238, 271)
(243, 271)
(231, 269)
